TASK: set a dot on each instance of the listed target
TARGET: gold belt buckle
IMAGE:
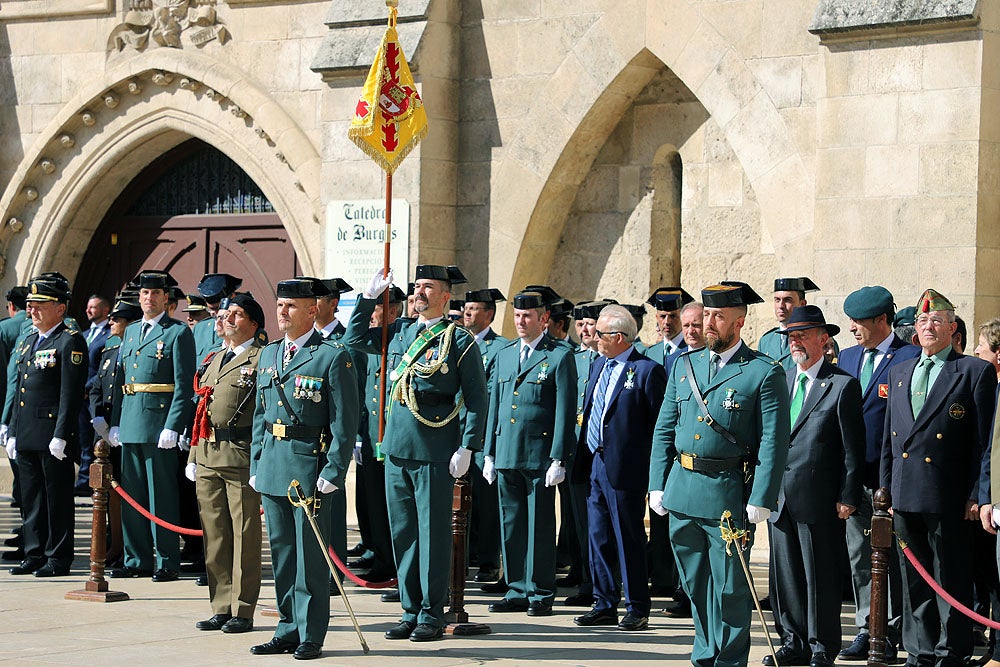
(687, 460)
(128, 390)
(278, 430)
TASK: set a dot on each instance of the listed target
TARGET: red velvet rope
(945, 595)
(198, 533)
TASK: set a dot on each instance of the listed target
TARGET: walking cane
(304, 503)
(730, 535)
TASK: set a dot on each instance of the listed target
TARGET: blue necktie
(597, 408)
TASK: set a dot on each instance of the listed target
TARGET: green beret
(869, 301)
(906, 317)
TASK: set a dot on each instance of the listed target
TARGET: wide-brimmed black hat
(729, 294)
(214, 286)
(489, 295)
(669, 298)
(449, 274)
(808, 317)
(800, 284)
(245, 301)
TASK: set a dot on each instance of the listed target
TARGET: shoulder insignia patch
(76, 358)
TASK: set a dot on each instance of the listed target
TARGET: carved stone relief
(167, 23)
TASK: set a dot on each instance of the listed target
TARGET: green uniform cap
(868, 302)
(933, 300)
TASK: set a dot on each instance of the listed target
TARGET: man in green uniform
(668, 302)
(153, 390)
(530, 433)
(720, 444)
(484, 525)
(437, 370)
(213, 287)
(304, 427)
(789, 294)
(219, 465)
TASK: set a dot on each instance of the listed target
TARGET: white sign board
(355, 244)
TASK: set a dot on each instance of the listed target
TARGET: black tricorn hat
(456, 304)
(449, 274)
(17, 295)
(529, 299)
(636, 311)
(562, 307)
(490, 295)
(396, 295)
(299, 288)
(175, 293)
(591, 310)
(337, 286)
(153, 279)
(319, 286)
(669, 298)
(729, 294)
(215, 286)
(801, 284)
(808, 317)
(549, 295)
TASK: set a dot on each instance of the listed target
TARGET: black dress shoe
(508, 605)
(579, 600)
(426, 633)
(597, 617)
(201, 580)
(274, 647)
(15, 556)
(308, 651)
(214, 623)
(16, 541)
(820, 659)
(237, 624)
(50, 570)
(390, 596)
(364, 563)
(357, 550)
(539, 609)
(569, 581)
(163, 574)
(380, 574)
(495, 587)
(128, 573)
(633, 622)
(659, 591)
(28, 565)
(858, 650)
(679, 609)
(765, 604)
(402, 630)
(487, 574)
(787, 657)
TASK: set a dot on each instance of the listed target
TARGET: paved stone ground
(156, 626)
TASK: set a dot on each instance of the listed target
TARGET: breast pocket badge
(729, 402)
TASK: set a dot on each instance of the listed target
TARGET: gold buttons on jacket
(927, 460)
(697, 436)
(279, 404)
(516, 394)
(700, 418)
(513, 421)
(513, 407)
(940, 436)
(906, 455)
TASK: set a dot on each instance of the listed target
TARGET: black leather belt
(231, 434)
(298, 432)
(701, 464)
(434, 398)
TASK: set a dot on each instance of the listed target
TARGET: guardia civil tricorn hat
(491, 295)
(729, 294)
(448, 274)
(669, 298)
(800, 284)
(299, 288)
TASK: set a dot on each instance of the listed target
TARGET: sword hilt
(300, 499)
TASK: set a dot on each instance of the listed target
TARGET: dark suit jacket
(96, 348)
(827, 448)
(932, 464)
(629, 418)
(876, 395)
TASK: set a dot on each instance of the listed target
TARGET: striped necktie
(289, 353)
(595, 426)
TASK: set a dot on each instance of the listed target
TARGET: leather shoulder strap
(718, 428)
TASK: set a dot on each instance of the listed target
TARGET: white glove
(996, 515)
(113, 438)
(191, 471)
(460, 462)
(184, 443)
(555, 474)
(4, 431)
(757, 514)
(253, 482)
(489, 470)
(11, 448)
(377, 285)
(100, 425)
(324, 486)
(656, 502)
(57, 448)
(168, 439)
(357, 454)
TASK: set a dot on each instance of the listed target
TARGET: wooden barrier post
(882, 551)
(96, 588)
(457, 617)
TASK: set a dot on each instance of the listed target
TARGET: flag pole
(385, 312)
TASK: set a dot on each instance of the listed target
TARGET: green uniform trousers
(721, 601)
(301, 575)
(230, 518)
(528, 519)
(149, 475)
(418, 496)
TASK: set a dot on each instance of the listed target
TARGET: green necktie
(713, 366)
(868, 368)
(800, 397)
(920, 381)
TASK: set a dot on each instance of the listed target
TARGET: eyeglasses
(935, 322)
(602, 334)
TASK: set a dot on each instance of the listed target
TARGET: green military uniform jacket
(230, 410)
(532, 408)
(205, 338)
(164, 357)
(10, 330)
(405, 436)
(583, 359)
(748, 397)
(321, 390)
(775, 345)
